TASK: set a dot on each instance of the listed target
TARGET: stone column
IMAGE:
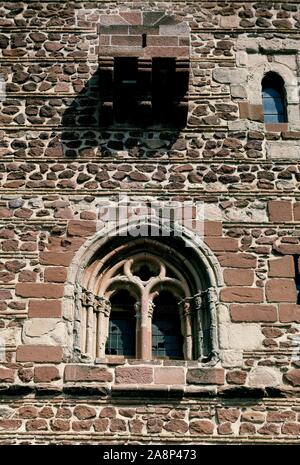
(102, 309)
(186, 328)
(198, 304)
(211, 301)
(89, 304)
(145, 337)
(77, 319)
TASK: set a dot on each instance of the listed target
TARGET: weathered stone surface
(139, 375)
(205, 376)
(84, 412)
(46, 374)
(169, 376)
(293, 377)
(86, 373)
(263, 376)
(39, 353)
(201, 427)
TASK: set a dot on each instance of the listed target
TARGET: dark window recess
(274, 101)
(169, 90)
(144, 92)
(125, 90)
(167, 340)
(297, 277)
(122, 323)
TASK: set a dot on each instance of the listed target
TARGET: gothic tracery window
(145, 302)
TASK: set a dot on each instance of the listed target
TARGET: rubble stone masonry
(62, 165)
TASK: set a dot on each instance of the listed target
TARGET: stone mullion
(145, 337)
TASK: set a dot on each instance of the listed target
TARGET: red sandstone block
(81, 228)
(87, 373)
(238, 277)
(56, 258)
(256, 113)
(296, 209)
(212, 228)
(55, 274)
(36, 425)
(174, 375)
(28, 412)
(280, 211)
(127, 41)
(228, 414)
(166, 52)
(222, 244)
(237, 260)
(60, 425)
(290, 428)
(244, 110)
(46, 374)
(39, 354)
(10, 425)
(7, 375)
(162, 41)
(44, 309)
(82, 425)
(134, 375)
(281, 290)
(282, 268)
(6, 212)
(84, 412)
(236, 377)
(202, 427)
(276, 127)
(288, 249)
(279, 417)
(293, 377)
(241, 294)
(101, 424)
(132, 17)
(205, 376)
(40, 290)
(253, 313)
(289, 313)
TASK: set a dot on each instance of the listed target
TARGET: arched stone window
(145, 298)
(274, 99)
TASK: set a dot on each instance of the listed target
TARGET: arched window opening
(274, 100)
(122, 325)
(167, 339)
(146, 300)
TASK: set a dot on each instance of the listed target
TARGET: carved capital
(185, 308)
(103, 306)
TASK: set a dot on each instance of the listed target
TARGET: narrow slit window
(274, 101)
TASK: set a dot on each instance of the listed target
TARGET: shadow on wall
(128, 121)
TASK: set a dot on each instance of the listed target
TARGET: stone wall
(60, 168)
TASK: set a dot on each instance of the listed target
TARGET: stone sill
(113, 361)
